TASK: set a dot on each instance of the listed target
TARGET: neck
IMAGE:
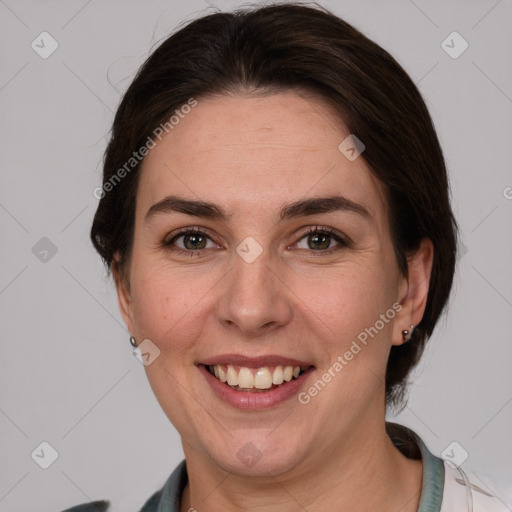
(364, 471)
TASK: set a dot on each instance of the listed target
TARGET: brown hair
(293, 46)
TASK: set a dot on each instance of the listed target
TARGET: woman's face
(256, 290)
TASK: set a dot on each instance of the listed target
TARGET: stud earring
(132, 341)
(407, 334)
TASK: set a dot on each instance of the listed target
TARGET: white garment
(461, 494)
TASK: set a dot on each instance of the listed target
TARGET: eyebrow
(300, 208)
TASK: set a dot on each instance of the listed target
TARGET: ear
(123, 294)
(413, 290)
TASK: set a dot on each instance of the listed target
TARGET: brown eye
(190, 241)
(320, 239)
(194, 241)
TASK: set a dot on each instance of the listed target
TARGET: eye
(321, 239)
(189, 240)
(193, 241)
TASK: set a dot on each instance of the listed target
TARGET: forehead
(245, 151)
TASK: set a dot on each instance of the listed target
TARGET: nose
(254, 299)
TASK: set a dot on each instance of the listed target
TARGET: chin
(257, 456)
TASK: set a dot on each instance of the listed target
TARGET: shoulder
(93, 506)
(151, 505)
(103, 505)
(465, 493)
(446, 487)
(167, 498)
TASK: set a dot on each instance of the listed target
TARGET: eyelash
(342, 241)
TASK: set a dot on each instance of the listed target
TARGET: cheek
(344, 300)
(167, 303)
(352, 315)
(344, 310)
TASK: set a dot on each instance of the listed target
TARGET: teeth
(232, 376)
(277, 376)
(263, 379)
(222, 374)
(247, 378)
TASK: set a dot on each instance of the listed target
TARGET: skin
(250, 155)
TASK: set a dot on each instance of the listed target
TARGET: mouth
(255, 383)
(256, 380)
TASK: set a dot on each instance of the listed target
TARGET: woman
(275, 213)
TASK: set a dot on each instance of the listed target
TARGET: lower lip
(255, 400)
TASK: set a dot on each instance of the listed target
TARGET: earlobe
(414, 292)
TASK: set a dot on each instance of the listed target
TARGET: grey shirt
(168, 498)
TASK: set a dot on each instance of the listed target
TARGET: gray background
(67, 373)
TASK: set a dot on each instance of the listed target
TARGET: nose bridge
(254, 298)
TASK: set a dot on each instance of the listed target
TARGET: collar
(413, 447)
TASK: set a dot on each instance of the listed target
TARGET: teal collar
(412, 446)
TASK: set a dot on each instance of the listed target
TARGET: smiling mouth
(265, 378)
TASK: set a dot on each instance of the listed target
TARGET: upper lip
(254, 362)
